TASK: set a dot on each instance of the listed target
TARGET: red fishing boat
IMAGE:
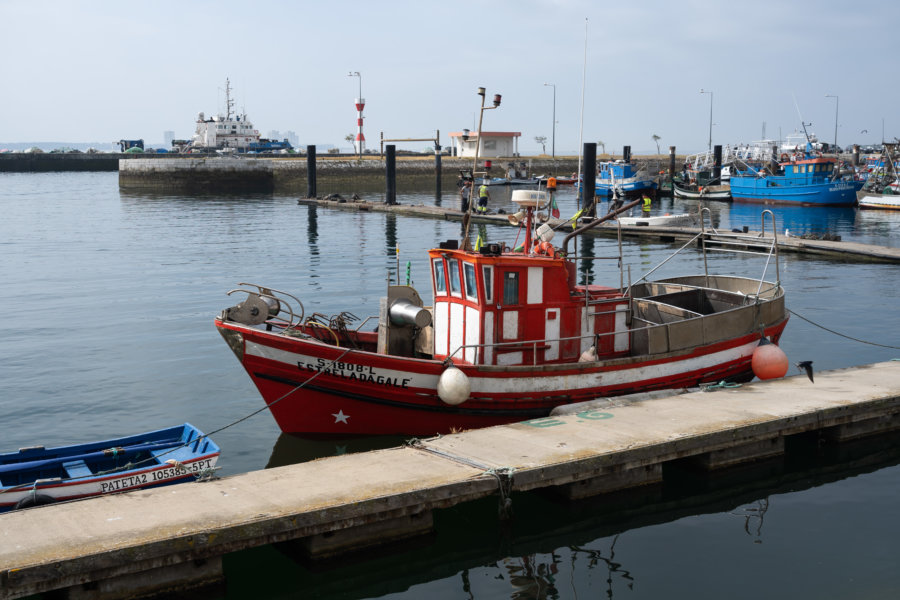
(509, 336)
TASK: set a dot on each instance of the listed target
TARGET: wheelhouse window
(487, 274)
(453, 275)
(510, 288)
(440, 283)
(471, 286)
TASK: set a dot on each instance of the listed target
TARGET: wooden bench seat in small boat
(77, 468)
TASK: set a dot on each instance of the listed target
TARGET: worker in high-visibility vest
(483, 196)
(645, 207)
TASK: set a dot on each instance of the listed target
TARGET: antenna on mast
(228, 101)
(802, 124)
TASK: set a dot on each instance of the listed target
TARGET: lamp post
(553, 142)
(702, 91)
(360, 104)
(481, 92)
(837, 103)
(466, 220)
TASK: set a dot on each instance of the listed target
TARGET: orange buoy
(769, 361)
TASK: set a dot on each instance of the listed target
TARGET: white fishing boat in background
(230, 132)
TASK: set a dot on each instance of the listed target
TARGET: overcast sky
(104, 70)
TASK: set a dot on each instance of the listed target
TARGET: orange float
(769, 361)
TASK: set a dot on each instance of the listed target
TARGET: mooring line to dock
(205, 474)
(503, 475)
(841, 334)
(417, 444)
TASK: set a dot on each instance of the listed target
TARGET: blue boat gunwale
(153, 444)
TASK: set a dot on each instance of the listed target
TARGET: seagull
(806, 365)
(864, 131)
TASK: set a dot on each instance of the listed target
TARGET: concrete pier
(221, 174)
(118, 544)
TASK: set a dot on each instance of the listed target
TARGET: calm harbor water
(109, 300)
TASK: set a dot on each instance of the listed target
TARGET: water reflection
(586, 266)
(291, 449)
(596, 558)
(753, 516)
(390, 235)
(312, 230)
(151, 197)
(798, 220)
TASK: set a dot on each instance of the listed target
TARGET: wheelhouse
(511, 308)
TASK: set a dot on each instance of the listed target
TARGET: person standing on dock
(645, 206)
(483, 196)
(464, 193)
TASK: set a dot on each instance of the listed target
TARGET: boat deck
(351, 501)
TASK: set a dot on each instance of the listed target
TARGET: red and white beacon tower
(359, 142)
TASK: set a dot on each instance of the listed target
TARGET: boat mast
(578, 181)
(228, 101)
(802, 124)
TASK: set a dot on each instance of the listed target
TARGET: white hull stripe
(487, 384)
(76, 488)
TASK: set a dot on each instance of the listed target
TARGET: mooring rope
(710, 387)
(503, 475)
(841, 334)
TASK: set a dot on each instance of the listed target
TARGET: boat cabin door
(520, 316)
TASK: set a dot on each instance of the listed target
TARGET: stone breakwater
(333, 175)
(289, 175)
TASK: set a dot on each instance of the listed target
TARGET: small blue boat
(623, 176)
(38, 475)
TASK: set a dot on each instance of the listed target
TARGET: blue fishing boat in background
(804, 178)
(627, 179)
(37, 475)
(622, 176)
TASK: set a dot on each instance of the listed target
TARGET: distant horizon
(560, 153)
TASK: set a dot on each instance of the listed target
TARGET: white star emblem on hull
(340, 417)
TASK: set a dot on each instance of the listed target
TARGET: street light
(837, 103)
(360, 104)
(483, 93)
(553, 143)
(702, 91)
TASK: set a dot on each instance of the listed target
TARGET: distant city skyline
(107, 70)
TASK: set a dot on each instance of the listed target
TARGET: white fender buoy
(453, 386)
(589, 355)
(769, 361)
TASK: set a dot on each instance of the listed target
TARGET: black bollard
(590, 179)
(310, 171)
(437, 171)
(390, 171)
(672, 168)
(717, 164)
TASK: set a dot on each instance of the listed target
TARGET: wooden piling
(390, 179)
(311, 171)
(588, 189)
